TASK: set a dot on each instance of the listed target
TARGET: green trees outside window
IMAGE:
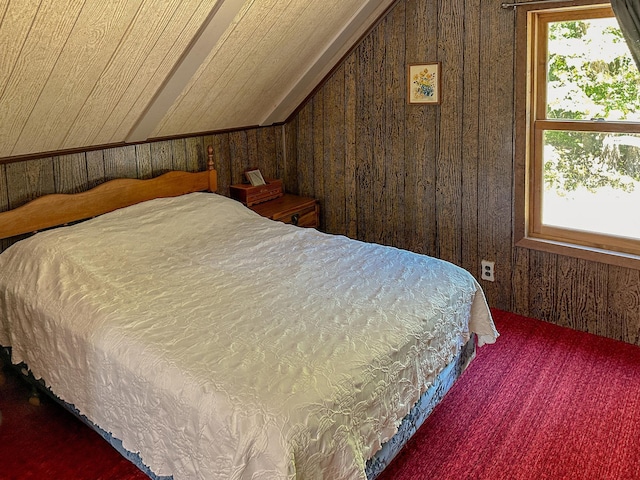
(591, 76)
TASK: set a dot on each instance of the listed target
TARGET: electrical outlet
(488, 270)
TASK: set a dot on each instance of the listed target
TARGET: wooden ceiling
(82, 73)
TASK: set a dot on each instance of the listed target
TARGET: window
(583, 132)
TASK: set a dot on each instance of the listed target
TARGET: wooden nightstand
(300, 211)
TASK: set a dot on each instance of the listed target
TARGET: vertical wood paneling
(542, 286)
(95, 168)
(4, 201)
(120, 163)
(70, 173)
(394, 162)
(222, 160)
(238, 155)
(290, 156)
(304, 160)
(26, 181)
(280, 150)
(161, 157)
(470, 140)
(623, 322)
(4, 193)
(520, 277)
(449, 157)
(252, 159)
(420, 133)
(364, 146)
(23, 181)
(267, 157)
(29, 180)
(379, 198)
(582, 294)
(279, 140)
(350, 166)
(196, 155)
(334, 153)
(317, 122)
(179, 154)
(494, 187)
(144, 161)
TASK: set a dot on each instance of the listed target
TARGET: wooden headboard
(62, 208)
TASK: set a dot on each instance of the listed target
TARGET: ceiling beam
(217, 22)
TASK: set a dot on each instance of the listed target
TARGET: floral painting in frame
(424, 83)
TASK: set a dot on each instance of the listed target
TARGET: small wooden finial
(34, 399)
(210, 164)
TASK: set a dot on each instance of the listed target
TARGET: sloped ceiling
(82, 73)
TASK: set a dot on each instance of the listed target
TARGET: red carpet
(544, 402)
(46, 442)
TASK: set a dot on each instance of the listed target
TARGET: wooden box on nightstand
(300, 211)
(250, 195)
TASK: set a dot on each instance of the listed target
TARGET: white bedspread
(219, 344)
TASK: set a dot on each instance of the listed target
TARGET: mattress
(215, 343)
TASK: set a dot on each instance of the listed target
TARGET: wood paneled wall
(435, 179)
(439, 179)
(233, 152)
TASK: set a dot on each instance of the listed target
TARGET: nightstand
(300, 211)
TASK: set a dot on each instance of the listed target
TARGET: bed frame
(62, 208)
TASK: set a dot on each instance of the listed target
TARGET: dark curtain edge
(628, 14)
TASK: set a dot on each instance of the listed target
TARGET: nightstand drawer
(300, 211)
(304, 217)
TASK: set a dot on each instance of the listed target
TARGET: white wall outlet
(488, 270)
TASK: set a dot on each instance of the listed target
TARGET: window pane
(592, 182)
(591, 74)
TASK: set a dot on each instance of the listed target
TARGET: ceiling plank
(269, 57)
(272, 50)
(217, 81)
(76, 74)
(37, 58)
(222, 15)
(319, 67)
(16, 22)
(149, 49)
(157, 66)
(97, 33)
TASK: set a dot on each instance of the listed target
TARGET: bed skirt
(409, 426)
(421, 410)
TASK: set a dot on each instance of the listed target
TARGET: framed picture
(423, 81)
(255, 177)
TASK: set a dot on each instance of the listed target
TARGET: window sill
(578, 251)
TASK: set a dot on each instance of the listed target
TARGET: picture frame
(423, 83)
(255, 177)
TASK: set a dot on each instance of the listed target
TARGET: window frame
(532, 122)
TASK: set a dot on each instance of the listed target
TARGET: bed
(205, 341)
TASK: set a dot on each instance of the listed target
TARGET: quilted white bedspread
(219, 344)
